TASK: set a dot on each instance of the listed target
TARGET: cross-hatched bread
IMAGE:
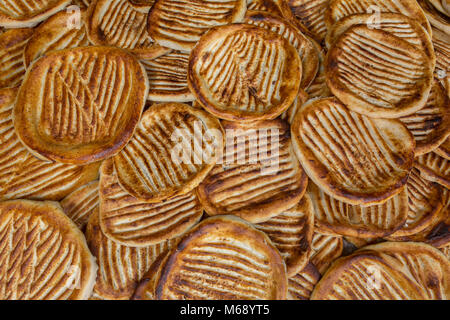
(336, 217)
(12, 66)
(338, 9)
(28, 13)
(305, 48)
(375, 73)
(80, 105)
(172, 151)
(123, 24)
(179, 24)
(353, 158)
(388, 271)
(23, 176)
(244, 73)
(138, 223)
(221, 258)
(62, 31)
(120, 267)
(258, 177)
(44, 256)
(291, 232)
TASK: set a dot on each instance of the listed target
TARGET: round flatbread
(123, 24)
(319, 87)
(28, 13)
(259, 176)
(80, 105)
(23, 176)
(137, 223)
(325, 249)
(64, 30)
(387, 271)
(434, 168)
(436, 18)
(179, 24)
(378, 74)
(277, 7)
(172, 151)
(221, 258)
(290, 113)
(44, 255)
(167, 77)
(302, 284)
(353, 158)
(441, 44)
(12, 46)
(291, 232)
(444, 149)
(338, 9)
(335, 217)
(81, 203)
(305, 48)
(120, 267)
(311, 13)
(226, 80)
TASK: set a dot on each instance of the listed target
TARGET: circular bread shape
(325, 249)
(137, 223)
(179, 24)
(377, 74)
(302, 284)
(12, 46)
(387, 271)
(80, 105)
(436, 18)
(311, 13)
(28, 13)
(353, 158)
(335, 217)
(120, 23)
(441, 44)
(319, 87)
(81, 203)
(238, 88)
(60, 31)
(120, 267)
(430, 126)
(43, 249)
(338, 9)
(396, 24)
(223, 258)
(167, 76)
(444, 149)
(291, 232)
(258, 177)
(290, 113)
(25, 176)
(305, 48)
(425, 203)
(172, 151)
(434, 168)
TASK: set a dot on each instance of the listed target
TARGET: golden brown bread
(44, 256)
(12, 66)
(87, 108)
(444, 149)
(221, 258)
(238, 88)
(388, 271)
(172, 151)
(436, 18)
(325, 249)
(319, 87)
(396, 81)
(434, 168)
(291, 232)
(311, 13)
(28, 13)
(302, 284)
(58, 32)
(179, 24)
(120, 267)
(123, 24)
(290, 113)
(255, 184)
(23, 176)
(353, 158)
(138, 223)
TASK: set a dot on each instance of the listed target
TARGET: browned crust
(32, 20)
(289, 88)
(444, 149)
(319, 174)
(228, 227)
(407, 105)
(52, 213)
(25, 118)
(430, 173)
